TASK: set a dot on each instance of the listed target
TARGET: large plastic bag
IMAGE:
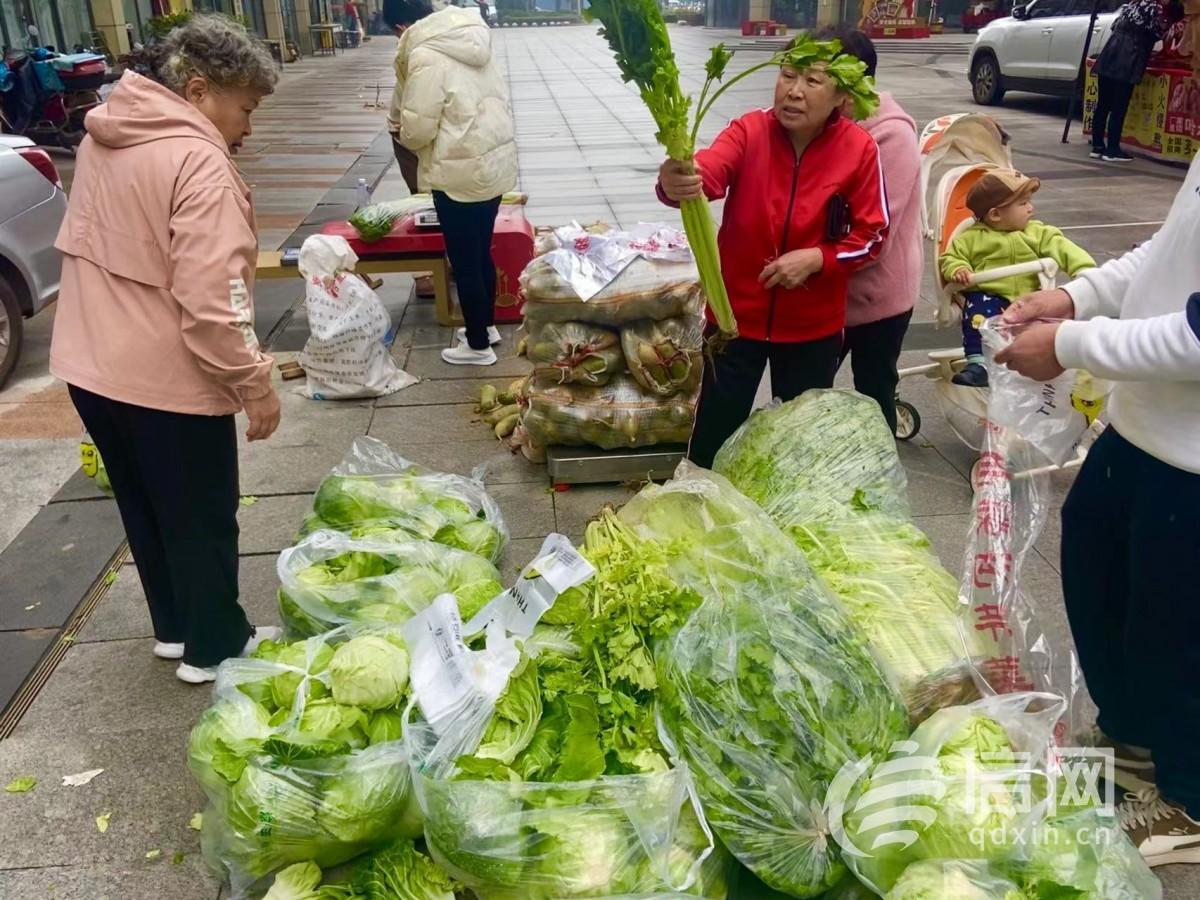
(92, 464)
(374, 491)
(345, 356)
(330, 579)
(769, 689)
(486, 713)
(825, 469)
(665, 357)
(574, 352)
(981, 790)
(619, 414)
(300, 756)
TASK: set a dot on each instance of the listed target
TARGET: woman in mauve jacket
(154, 332)
(790, 176)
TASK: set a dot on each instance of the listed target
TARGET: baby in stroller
(1004, 234)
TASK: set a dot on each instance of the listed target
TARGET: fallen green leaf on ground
(22, 785)
(153, 854)
(249, 500)
(102, 822)
(68, 639)
(196, 822)
(110, 578)
(178, 858)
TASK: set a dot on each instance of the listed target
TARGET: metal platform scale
(590, 465)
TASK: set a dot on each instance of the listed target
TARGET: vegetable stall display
(300, 755)
(768, 689)
(825, 468)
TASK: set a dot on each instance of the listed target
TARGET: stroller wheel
(908, 421)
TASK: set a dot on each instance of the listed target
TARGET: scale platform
(589, 465)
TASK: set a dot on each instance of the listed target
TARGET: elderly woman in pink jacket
(882, 293)
(154, 332)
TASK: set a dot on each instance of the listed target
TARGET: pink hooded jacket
(160, 251)
(891, 284)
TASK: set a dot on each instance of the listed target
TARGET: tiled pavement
(587, 152)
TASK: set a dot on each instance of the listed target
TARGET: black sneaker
(974, 375)
(1117, 156)
(1096, 153)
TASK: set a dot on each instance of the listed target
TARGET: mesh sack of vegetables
(618, 414)
(374, 490)
(300, 755)
(561, 788)
(984, 784)
(330, 579)
(768, 689)
(825, 468)
(645, 289)
(665, 356)
(574, 352)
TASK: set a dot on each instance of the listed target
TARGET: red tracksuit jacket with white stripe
(775, 202)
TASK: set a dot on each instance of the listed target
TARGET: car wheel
(987, 84)
(12, 329)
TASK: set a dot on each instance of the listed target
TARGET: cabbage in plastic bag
(769, 689)
(330, 579)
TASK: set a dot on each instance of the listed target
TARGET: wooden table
(270, 265)
(321, 31)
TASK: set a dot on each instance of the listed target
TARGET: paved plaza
(587, 153)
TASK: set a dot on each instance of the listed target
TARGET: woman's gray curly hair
(215, 48)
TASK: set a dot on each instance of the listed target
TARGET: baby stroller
(957, 151)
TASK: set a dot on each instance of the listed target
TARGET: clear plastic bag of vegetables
(574, 352)
(330, 579)
(375, 222)
(980, 794)
(374, 491)
(618, 414)
(300, 756)
(513, 760)
(665, 357)
(826, 470)
(613, 278)
(768, 689)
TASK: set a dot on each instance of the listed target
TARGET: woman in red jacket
(805, 206)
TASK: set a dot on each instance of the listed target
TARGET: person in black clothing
(1120, 67)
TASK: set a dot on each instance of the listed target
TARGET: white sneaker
(463, 355)
(494, 337)
(164, 650)
(190, 674)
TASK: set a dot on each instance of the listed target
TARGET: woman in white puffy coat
(451, 108)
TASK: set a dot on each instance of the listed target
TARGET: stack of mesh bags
(621, 368)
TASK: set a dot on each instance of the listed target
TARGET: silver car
(32, 206)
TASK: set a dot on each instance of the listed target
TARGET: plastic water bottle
(364, 194)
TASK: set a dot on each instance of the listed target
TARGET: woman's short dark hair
(405, 12)
(854, 42)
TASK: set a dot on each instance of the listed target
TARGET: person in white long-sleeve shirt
(1131, 524)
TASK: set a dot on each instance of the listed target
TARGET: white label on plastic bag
(440, 668)
(557, 568)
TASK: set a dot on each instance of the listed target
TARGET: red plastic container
(512, 249)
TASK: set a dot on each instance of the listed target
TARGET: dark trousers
(1130, 540)
(732, 378)
(874, 351)
(1112, 104)
(467, 229)
(175, 479)
(406, 161)
(978, 307)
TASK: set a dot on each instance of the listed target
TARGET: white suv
(1037, 49)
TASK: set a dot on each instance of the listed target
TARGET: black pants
(874, 351)
(467, 228)
(732, 380)
(175, 479)
(978, 307)
(406, 161)
(1111, 106)
(1131, 537)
